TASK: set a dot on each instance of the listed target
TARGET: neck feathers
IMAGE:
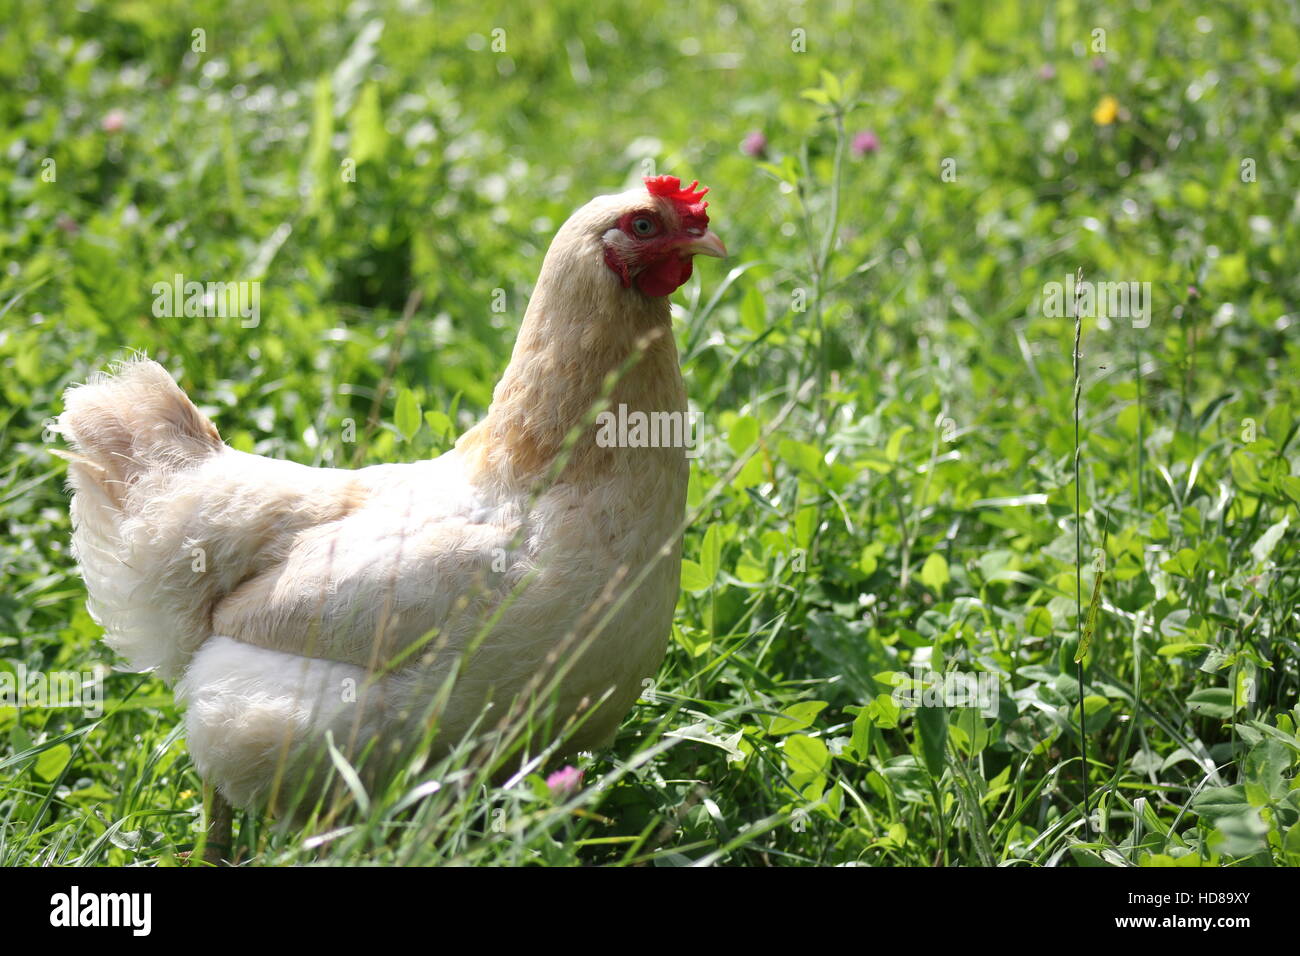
(586, 344)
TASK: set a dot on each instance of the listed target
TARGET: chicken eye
(643, 225)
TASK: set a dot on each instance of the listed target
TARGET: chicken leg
(218, 847)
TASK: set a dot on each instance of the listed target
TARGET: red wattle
(664, 277)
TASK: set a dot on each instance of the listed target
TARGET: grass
(904, 471)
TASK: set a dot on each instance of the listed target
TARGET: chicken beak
(705, 245)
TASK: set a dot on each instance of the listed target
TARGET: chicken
(531, 564)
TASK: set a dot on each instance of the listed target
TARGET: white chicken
(288, 602)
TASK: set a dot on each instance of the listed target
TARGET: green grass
(887, 478)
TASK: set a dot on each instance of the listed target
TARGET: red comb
(688, 200)
(670, 187)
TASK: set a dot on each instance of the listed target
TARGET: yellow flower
(1106, 111)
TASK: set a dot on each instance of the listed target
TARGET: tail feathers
(133, 433)
(128, 423)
